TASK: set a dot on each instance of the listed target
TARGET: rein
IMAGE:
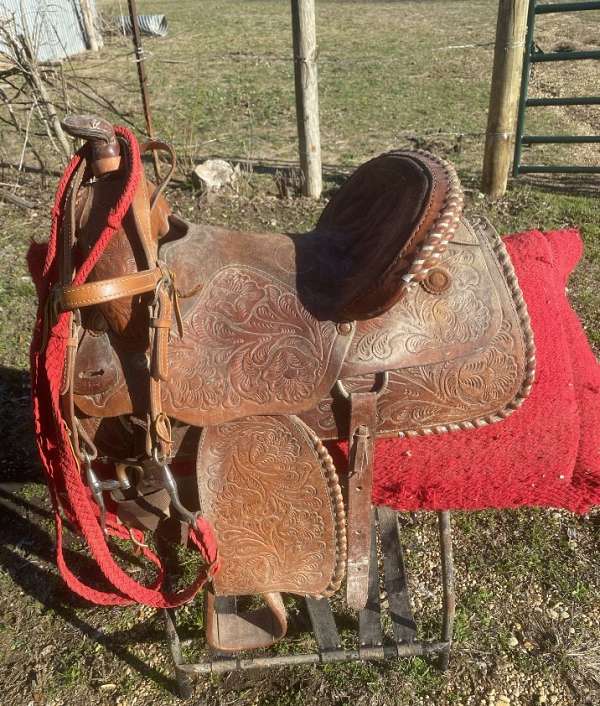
(54, 334)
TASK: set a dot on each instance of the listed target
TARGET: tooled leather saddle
(243, 353)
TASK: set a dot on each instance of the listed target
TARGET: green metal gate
(534, 55)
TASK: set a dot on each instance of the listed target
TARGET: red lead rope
(63, 475)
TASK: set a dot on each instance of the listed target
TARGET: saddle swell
(244, 351)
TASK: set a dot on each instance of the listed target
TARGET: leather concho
(460, 359)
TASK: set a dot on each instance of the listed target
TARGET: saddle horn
(106, 152)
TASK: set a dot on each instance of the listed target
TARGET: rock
(214, 174)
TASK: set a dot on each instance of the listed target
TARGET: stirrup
(247, 630)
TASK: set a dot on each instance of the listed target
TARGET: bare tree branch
(17, 200)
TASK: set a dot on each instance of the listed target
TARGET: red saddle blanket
(548, 452)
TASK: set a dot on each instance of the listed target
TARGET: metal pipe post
(185, 684)
(524, 87)
(143, 79)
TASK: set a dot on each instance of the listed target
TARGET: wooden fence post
(504, 96)
(89, 25)
(307, 95)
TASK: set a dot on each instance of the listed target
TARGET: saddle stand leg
(448, 593)
(371, 642)
(185, 684)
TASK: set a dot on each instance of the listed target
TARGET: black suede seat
(383, 229)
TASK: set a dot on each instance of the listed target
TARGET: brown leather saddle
(245, 351)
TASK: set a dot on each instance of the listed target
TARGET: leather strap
(65, 271)
(164, 147)
(140, 211)
(251, 630)
(159, 438)
(68, 228)
(363, 423)
(160, 324)
(105, 290)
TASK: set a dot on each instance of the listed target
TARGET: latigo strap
(363, 425)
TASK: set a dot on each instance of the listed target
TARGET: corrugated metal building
(56, 27)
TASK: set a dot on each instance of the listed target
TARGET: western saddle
(244, 352)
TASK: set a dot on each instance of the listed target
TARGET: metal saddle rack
(370, 642)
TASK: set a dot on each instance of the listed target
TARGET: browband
(105, 290)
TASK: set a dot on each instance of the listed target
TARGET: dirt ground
(392, 74)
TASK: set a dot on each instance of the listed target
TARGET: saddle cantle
(458, 350)
(245, 351)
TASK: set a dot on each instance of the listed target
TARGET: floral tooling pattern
(424, 322)
(248, 340)
(450, 392)
(262, 486)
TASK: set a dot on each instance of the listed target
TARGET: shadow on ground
(26, 553)
(568, 184)
(18, 457)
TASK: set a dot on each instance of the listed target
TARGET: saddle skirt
(458, 347)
